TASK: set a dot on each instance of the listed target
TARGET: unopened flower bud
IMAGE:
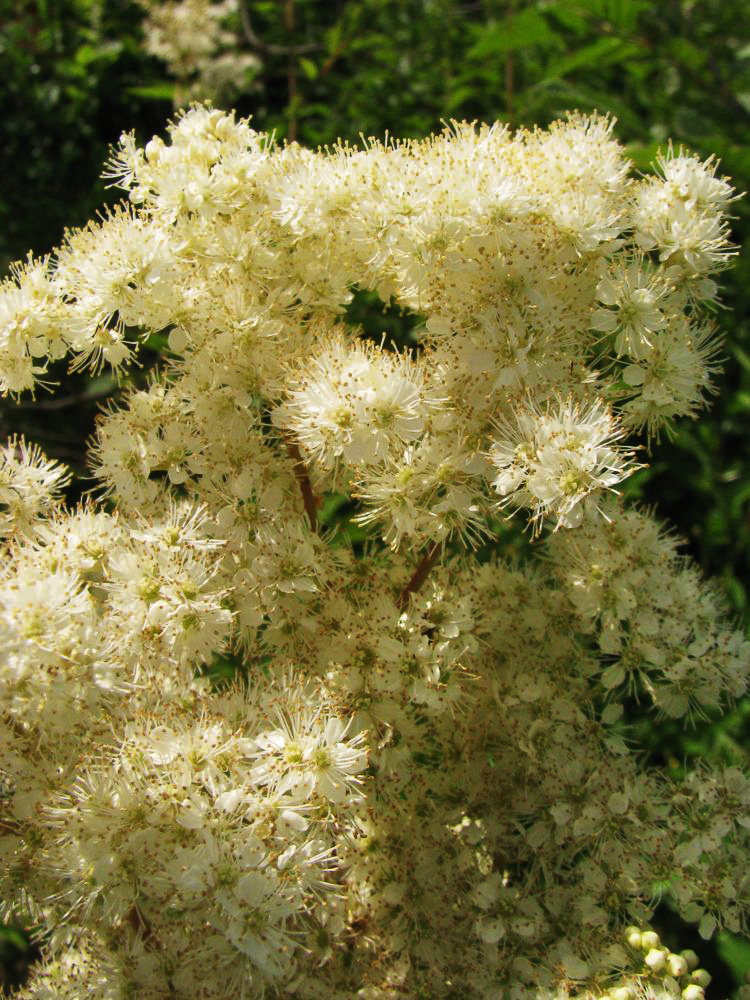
(693, 992)
(677, 965)
(153, 149)
(691, 958)
(701, 978)
(649, 940)
(622, 993)
(656, 959)
(633, 936)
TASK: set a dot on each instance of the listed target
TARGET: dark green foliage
(68, 68)
(16, 952)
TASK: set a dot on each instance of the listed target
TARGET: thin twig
(139, 924)
(300, 471)
(420, 574)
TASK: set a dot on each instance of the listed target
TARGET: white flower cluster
(421, 777)
(658, 624)
(354, 402)
(550, 461)
(659, 973)
(200, 48)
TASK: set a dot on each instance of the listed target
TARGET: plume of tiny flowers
(246, 751)
(551, 460)
(30, 487)
(355, 403)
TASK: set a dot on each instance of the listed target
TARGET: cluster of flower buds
(676, 973)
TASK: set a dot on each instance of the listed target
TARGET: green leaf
(332, 503)
(13, 937)
(87, 55)
(157, 342)
(333, 37)
(741, 400)
(738, 597)
(308, 68)
(621, 14)
(600, 53)
(743, 357)
(688, 54)
(513, 33)
(740, 499)
(735, 951)
(570, 16)
(458, 97)
(154, 91)
(643, 154)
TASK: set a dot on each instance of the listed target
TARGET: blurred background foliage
(76, 73)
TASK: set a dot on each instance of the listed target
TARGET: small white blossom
(552, 460)
(356, 403)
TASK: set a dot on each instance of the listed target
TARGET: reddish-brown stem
(139, 923)
(300, 471)
(420, 574)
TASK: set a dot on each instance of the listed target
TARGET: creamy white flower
(309, 754)
(551, 460)
(633, 296)
(30, 487)
(695, 181)
(356, 403)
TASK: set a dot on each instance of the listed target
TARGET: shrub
(253, 747)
